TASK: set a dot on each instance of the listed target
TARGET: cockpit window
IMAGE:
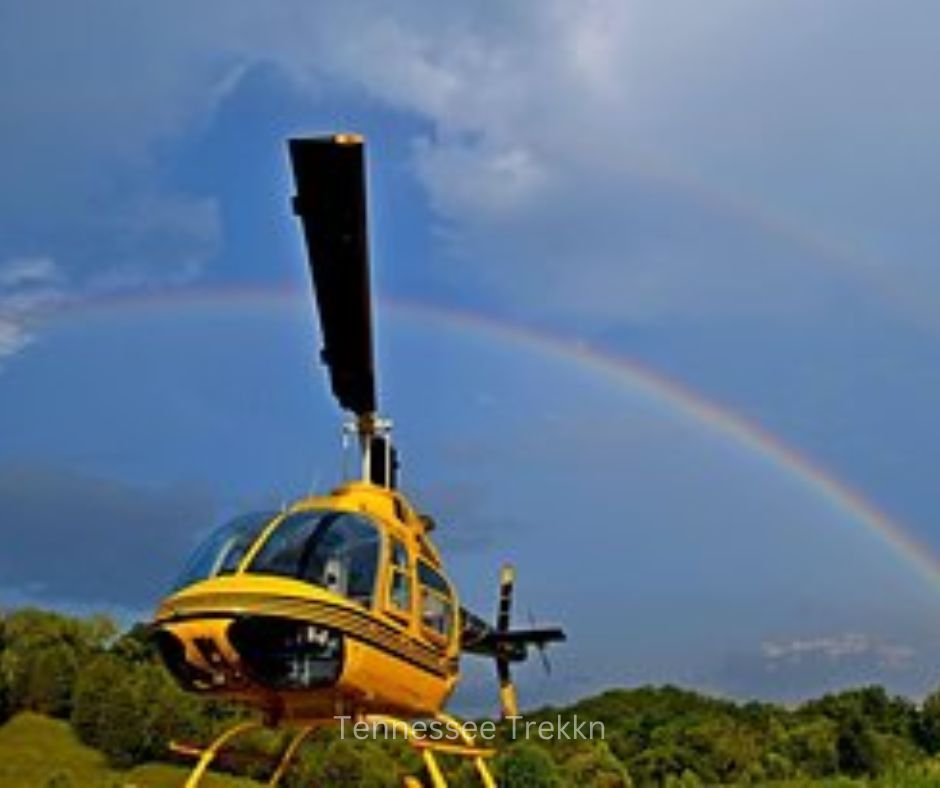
(223, 551)
(338, 551)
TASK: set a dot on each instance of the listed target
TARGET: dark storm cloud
(733, 125)
(72, 538)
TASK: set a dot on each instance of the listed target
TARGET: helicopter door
(400, 595)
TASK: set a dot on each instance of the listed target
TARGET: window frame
(406, 614)
(447, 598)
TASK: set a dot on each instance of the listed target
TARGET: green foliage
(594, 766)
(927, 730)
(49, 678)
(135, 645)
(131, 710)
(5, 705)
(526, 765)
(881, 712)
(93, 689)
(810, 743)
(343, 762)
(857, 748)
(40, 655)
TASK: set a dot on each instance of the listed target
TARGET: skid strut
(426, 747)
(208, 755)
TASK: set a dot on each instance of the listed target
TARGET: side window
(400, 579)
(437, 607)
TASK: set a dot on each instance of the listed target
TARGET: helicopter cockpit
(336, 550)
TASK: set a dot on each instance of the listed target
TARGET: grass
(36, 751)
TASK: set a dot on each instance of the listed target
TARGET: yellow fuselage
(298, 650)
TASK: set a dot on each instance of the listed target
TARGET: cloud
(80, 539)
(28, 271)
(13, 338)
(622, 161)
(28, 285)
(90, 101)
(836, 648)
(797, 668)
(652, 161)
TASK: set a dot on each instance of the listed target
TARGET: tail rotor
(507, 690)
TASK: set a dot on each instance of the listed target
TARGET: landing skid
(425, 747)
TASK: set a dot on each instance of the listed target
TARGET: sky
(658, 313)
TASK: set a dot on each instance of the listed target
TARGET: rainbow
(740, 431)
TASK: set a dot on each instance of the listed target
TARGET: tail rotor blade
(507, 579)
(509, 705)
(507, 690)
(546, 662)
(543, 654)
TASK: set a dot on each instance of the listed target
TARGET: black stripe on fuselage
(358, 624)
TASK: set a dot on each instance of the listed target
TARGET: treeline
(670, 736)
(111, 688)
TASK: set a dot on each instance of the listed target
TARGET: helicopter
(337, 606)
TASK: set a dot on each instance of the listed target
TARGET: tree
(90, 702)
(526, 765)
(811, 746)
(122, 737)
(4, 699)
(928, 724)
(857, 748)
(165, 712)
(40, 655)
(595, 766)
(49, 677)
(357, 764)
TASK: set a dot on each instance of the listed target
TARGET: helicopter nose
(274, 652)
(283, 653)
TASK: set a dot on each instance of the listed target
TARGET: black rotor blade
(331, 204)
(502, 670)
(525, 637)
(546, 662)
(507, 579)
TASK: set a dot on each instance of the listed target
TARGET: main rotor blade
(331, 204)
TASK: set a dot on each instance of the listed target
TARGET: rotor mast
(378, 457)
(330, 175)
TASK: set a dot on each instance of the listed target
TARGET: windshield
(223, 551)
(338, 551)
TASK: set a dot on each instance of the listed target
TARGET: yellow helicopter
(337, 607)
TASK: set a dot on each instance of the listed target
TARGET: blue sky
(736, 195)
